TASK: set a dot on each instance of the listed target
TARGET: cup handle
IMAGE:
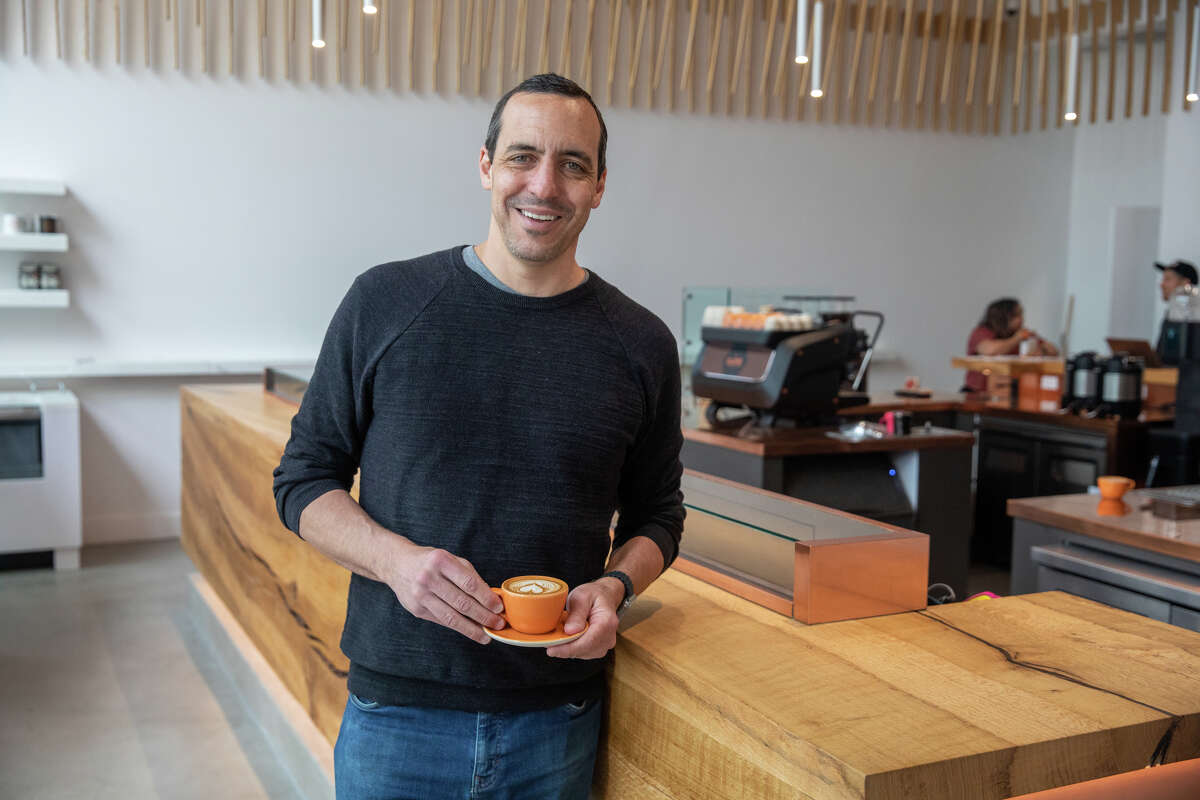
(1130, 483)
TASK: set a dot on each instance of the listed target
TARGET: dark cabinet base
(1025, 459)
(1151, 584)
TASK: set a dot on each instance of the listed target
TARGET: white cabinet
(40, 495)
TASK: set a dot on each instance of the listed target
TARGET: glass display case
(810, 562)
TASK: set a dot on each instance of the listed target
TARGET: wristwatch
(630, 596)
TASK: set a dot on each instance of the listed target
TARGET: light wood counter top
(1011, 365)
(712, 696)
(1136, 528)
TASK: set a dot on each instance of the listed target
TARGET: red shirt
(977, 381)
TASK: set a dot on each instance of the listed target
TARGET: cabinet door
(1007, 469)
(20, 443)
(1068, 469)
(1051, 580)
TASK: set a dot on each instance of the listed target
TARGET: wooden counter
(881, 402)
(714, 697)
(1136, 528)
(1011, 365)
(965, 403)
(778, 442)
(290, 599)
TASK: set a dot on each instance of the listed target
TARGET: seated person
(1001, 332)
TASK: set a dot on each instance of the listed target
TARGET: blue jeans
(397, 752)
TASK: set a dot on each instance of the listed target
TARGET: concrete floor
(105, 692)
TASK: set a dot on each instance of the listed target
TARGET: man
(500, 402)
(1176, 275)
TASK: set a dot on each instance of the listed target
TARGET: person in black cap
(1176, 275)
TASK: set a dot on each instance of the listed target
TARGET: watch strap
(628, 582)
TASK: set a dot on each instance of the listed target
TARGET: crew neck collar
(513, 298)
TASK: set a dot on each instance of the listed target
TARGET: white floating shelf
(35, 242)
(35, 298)
(32, 186)
(91, 368)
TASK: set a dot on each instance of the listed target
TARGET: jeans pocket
(578, 709)
(363, 705)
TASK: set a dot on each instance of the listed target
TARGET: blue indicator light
(892, 472)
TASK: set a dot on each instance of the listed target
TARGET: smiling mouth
(538, 217)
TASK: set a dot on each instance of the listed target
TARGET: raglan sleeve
(327, 432)
(651, 503)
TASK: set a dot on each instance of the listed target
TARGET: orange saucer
(515, 637)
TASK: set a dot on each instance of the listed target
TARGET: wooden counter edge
(1027, 509)
(824, 445)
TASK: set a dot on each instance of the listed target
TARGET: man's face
(1170, 282)
(544, 180)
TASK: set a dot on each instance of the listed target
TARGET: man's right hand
(432, 584)
(440, 587)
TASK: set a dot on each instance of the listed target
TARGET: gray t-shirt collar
(474, 262)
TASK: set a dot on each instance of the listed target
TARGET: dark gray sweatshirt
(505, 429)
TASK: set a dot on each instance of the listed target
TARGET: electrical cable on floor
(939, 594)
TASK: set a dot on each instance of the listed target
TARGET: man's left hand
(596, 605)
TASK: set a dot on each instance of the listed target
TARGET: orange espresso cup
(533, 603)
(1114, 487)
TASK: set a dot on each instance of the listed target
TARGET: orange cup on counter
(533, 603)
(1114, 487)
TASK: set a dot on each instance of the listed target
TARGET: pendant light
(1194, 78)
(318, 23)
(369, 7)
(1072, 70)
(801, 31)
(818, 21)
(1072, 64)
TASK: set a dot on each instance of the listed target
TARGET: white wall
(1151, 162)
(1180, 232)
(1134, 247)
(1115, 164)
(217, 219)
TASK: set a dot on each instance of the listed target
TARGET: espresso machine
(794, 367)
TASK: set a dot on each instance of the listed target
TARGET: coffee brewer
(1121, 387)
(1081, 391)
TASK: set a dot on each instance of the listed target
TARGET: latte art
(534, 586)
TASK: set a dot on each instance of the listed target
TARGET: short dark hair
(999, 314)
(546, 83)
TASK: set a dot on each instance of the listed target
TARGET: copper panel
(851, 579)
(1178, 781)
